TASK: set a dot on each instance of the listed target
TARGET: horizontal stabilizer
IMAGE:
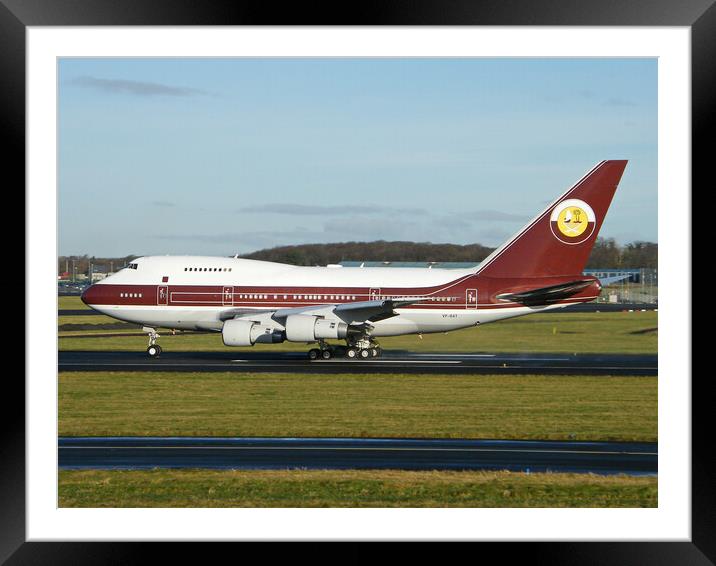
(611, 280)
(545, 295)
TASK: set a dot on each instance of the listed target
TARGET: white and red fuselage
(199, 293)
(249, 301)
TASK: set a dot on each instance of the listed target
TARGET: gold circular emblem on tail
(572, 221)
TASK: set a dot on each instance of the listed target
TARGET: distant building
(634, 275)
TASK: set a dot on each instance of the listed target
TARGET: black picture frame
(17, 15)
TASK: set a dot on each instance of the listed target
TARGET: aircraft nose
(87, 294)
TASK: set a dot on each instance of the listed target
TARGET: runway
(393, 361)
(341, 454)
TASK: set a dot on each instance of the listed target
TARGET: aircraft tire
(314, 353)
(365, 354)
(326, 354)
(154, 351)
(351, 353)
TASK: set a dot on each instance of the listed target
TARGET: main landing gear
(362, 348)
(154, 349)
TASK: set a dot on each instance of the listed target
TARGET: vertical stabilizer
(560, 239)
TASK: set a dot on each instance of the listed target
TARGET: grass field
(613, 332)
(438, 406)
(303, 488)
(91, 319)
(70, 303)
(348, 405)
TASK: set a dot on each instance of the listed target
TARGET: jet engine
(306, 328)
(237, 332)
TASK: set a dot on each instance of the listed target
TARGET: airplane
(257, 302)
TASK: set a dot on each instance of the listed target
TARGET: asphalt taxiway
(393, 361)
(358, 453)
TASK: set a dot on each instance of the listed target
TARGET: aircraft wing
(350, 313)
(371, 311)
(240, 312)
(545, 295)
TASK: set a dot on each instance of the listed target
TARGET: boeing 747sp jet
(255, 302)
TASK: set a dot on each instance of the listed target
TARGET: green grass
(71, 303)
(614, 332)
(90, 319)
(369, 488)
(393, 405)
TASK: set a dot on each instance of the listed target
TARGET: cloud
(315, 210)
(163, 203)
(326, 224)
(136, 88)
(487, 216)
(619, 102)
(351, 210)
(492, 236)
(249, 241)
(496, 216)
(487, 227)
(355, 228)
(366, 229)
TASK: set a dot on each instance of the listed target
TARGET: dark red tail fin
(559, 240)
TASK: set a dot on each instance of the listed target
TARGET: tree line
(323, 254)
(606, 254)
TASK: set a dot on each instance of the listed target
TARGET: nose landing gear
(154, 350)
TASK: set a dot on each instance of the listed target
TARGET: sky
(225, 156)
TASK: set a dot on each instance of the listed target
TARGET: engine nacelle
(307, 328)
(239, 332)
